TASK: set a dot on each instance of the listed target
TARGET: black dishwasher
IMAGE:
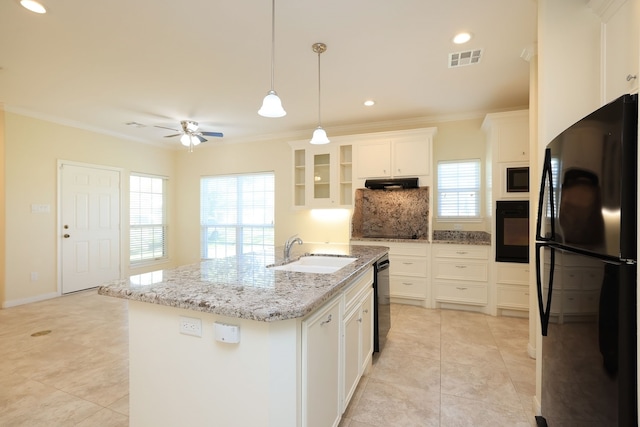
(381, 303)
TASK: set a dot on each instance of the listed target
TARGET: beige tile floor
(439, 368)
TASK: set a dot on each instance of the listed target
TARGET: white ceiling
(101, 64)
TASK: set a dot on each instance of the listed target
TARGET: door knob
(66, 236)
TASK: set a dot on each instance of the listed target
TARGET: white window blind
(237, 214)
(147, 219)
(459, 189)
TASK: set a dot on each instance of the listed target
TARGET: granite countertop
(462, 237)
(388, 239)
(243, 287)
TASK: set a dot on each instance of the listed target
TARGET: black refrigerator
(586, 239)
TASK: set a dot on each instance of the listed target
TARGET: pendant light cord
(319, 121)
(273, 39)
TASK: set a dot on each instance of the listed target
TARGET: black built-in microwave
(518, 180)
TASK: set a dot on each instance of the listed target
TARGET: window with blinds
(237, 214)
(459, 189)
(147, 218)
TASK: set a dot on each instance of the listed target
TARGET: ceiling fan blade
(171, 136)
(216, 134)
(164, 127)
(200, 138)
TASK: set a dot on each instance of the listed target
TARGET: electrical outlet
(190, 326)
(457, 227)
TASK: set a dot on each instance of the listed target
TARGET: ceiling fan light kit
(190, 136)
(271, 105)
(319, 135)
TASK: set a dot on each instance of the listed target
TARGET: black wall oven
(512, 231)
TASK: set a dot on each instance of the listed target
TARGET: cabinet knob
(631, 77)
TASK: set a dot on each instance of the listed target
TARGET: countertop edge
(199, 303)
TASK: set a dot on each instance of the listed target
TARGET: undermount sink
(316, 264)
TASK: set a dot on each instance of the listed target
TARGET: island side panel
(178, 379)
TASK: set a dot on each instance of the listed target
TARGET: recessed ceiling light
(369, 102)
(33, 6)
(461, 38)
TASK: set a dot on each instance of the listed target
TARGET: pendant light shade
(271, 105)
(319, 135)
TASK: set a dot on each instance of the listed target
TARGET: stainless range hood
(390, 184)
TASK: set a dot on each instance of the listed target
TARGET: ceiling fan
(190, 136)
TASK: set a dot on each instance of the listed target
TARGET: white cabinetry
(322, 176)
(460, 274)
(395, 154)
(512, 286)
(358, 340)
(408, 270)
(508, 135)
(321, 404)
(621, 47)
(337, 347)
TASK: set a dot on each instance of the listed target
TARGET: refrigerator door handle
(546, 174)
(544, 313)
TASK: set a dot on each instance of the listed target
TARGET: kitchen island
(285, 366)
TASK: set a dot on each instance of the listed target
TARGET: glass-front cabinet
(322, 176)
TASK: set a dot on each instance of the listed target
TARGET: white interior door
(90, 226)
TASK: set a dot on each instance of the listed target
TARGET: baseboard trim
(22, 301)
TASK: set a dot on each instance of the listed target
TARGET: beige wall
(33, 148)
(461, 140)
(219, 159)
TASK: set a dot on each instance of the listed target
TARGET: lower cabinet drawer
(514, 297)
(461, 270)
(408, 286)
(461, 293)
(510, 273)
(408, 266)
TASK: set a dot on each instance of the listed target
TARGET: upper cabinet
(508, 135)
(395, 154)
(322, 175)
(621, 48)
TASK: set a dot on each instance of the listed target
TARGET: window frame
(238, 231)
(164, 224)
(477, 217)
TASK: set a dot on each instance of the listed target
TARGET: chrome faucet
(287, 246)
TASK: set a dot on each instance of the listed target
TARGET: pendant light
(271, 105)
(319, 135)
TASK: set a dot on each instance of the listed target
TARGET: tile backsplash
(394, 213)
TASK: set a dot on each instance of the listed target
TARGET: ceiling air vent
(467, 57)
